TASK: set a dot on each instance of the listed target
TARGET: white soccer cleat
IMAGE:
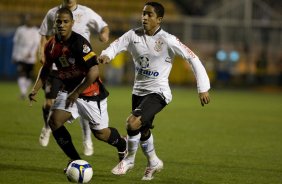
(151, 170)
(122, 168)
(44, 136)
(88, 148)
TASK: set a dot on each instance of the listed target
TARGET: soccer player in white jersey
(153, 50)
(85, 22)
(25, 44)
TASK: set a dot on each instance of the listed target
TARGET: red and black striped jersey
(73, 58)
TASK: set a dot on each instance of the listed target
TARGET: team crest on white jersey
(159, 43)
(86, 49)
(77, 18)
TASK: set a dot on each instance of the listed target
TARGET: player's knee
(54, 122)
(133, 122)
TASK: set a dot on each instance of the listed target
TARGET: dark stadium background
(239, 42)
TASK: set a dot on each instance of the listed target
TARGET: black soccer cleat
(66, 168)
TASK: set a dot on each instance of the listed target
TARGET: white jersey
(153, 58)
(26, 41)
(85, 22)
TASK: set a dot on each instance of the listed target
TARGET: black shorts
(25, 69)
(147, 107)
(53, 85)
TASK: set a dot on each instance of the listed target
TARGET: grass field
(237, 139)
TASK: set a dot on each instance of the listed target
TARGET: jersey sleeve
(87, 54)
(119, 45)
(35, 40)
(178, 48)
(15, 46)
(48, 47)
(46, 28)
(95, 21)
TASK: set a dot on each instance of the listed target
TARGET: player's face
(63, 25)
(150, 21)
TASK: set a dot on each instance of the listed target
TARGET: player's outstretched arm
(40, 80)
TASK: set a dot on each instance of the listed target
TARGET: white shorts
(96, 114)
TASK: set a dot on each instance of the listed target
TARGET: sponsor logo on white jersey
(144, 63)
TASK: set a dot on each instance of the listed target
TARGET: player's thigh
(148, 107)
(95, 112)
(58, 117)
(60, 104)
(29, 70)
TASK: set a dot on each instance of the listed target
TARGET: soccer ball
(79, 171)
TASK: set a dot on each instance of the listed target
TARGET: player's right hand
(31, 97)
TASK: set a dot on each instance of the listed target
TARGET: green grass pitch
(236, 139)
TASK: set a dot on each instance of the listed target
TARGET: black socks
(45, 112)
(116, 141)
(63, 139)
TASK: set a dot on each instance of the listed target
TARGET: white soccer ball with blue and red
(79, 171)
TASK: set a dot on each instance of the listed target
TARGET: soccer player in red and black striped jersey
(83, 93)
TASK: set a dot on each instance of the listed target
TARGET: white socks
(86, 132)
(24, 84)
(148, 149)
(132, 145)
(147, 146)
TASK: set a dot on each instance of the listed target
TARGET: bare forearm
(39, 82)
(43, 41)
(104, 34)
(91, 76)
(41, 56)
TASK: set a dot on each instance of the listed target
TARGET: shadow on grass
(35, 169)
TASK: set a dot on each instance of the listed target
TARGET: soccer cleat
(151, 170)
(122, 168)
(88, 148)
(66, 168)
(44, 136)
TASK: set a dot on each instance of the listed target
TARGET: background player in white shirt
(85, 22)
(153, 50)
(25, 44)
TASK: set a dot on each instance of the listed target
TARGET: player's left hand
(71, 99)
(204, 98)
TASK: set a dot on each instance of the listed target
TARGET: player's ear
(159, 19)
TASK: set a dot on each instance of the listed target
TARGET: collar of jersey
(158, 30)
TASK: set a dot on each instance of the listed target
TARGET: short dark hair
(159, 9)
(65, 11)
